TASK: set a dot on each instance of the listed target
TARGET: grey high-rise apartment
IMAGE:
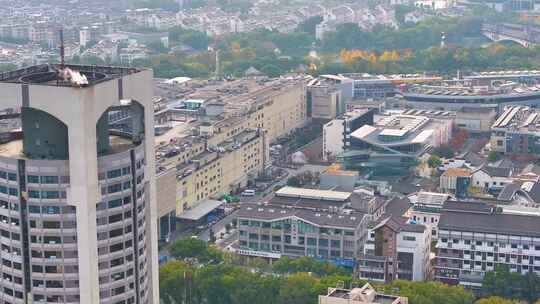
(77, 186)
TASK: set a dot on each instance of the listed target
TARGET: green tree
(444, 151)
(7, 67)
(195, 39)
(172, 281)
(293, 181)
(195, 248)
(298, 289)
(271, 70)
(493, 156)
(434, 161)
(309, 25)
(497, 300)
(511, 285)
(429, 292)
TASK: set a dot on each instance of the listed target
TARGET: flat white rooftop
(328, 195)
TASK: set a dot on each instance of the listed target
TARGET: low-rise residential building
(492, 179)
(521, 193)
(475, 239)
(272, 232)
(456, 181)
(337, 132)
(359, 295)
(396, 249)
(426, 209)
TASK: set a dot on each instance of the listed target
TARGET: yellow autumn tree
(372, 58)
(385, 56)
(395, 56)
(351, 56)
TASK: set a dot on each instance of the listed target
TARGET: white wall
(420, 250)
(333, 138)
(480, 178)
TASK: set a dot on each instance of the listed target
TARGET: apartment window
(115, 218)
(34, 194)
(467, 242)
(50, 209)
(12, 176)
(32, 179)
(323, 242)
(115, 203)
(455, 241)
(34, 209)
(478, 243)
(114, 188)
(50, 194)
(37, 268)
(114, 173)
(51, 225)
(514, 246)
(409, 238)
(444, 240)
(526, 247)
(116, 247)
(46, 179)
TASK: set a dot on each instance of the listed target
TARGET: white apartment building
(396, 249)
(426, 209)
(475, 239)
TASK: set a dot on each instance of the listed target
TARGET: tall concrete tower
(77, 186)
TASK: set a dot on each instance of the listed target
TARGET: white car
(248, 192)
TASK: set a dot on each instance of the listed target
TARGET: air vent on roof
(353, 218)
(249, 208)
(283, 211)
(271, 210)
(260, 209)
(317, 214)
(329, 216)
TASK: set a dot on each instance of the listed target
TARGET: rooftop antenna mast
(62, 50)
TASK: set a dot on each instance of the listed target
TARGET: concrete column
(151, 209)
(84, 193)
